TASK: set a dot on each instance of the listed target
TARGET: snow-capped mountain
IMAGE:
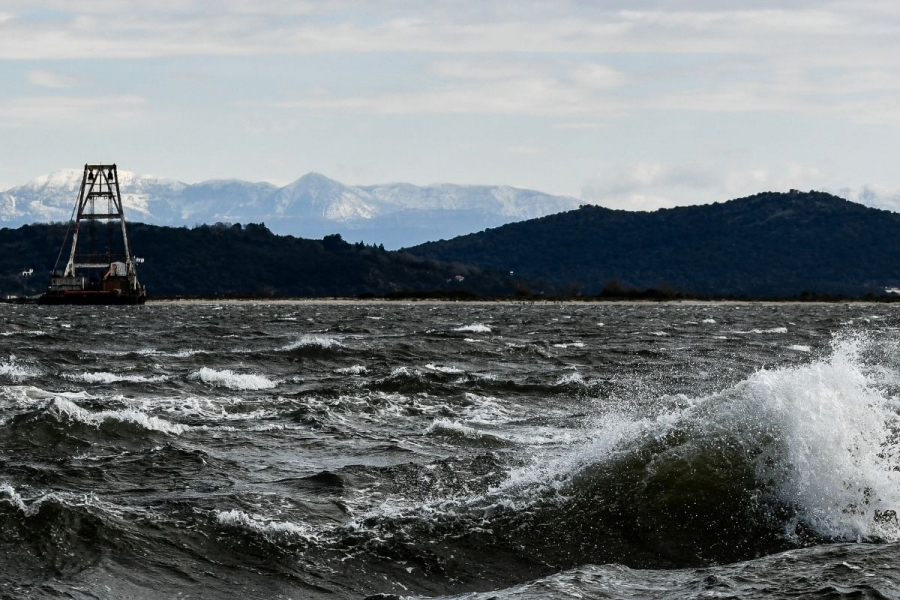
(52, 197)
(396, 214)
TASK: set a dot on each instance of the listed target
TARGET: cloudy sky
(628, 104)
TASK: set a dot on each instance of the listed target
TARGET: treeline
(247, 260)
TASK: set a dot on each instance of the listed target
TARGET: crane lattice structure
(100, 200)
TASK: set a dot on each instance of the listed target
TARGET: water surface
(342, 450)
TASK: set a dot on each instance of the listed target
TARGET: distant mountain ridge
(395, 214)
(770, 244)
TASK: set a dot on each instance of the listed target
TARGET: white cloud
(490, 87)
(489, 69)
(874, 195)
(24, 111)
(601, 77)
(664, 81)
(831, 57)
(237, 27)
(50, 79)
(523, 149)
(538, 97)
(650, 185)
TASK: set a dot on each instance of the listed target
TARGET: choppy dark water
(472, 451)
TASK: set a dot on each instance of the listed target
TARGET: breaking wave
(63, 532)
(268, 527)
(788, 457)
(454, 429)
(444, 369)
(16, 371)
(231, 380)
(352, 370)
(64, 409)
(321, 342)
(759, 331)
(474, 328)
(785, 456)
(103, 377)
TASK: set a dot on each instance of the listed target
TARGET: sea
(450, 450)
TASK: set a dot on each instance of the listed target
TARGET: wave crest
(64, 409)
(474, 328)
(104, 377)
(321, 342)
(16, 371)
(231, 380)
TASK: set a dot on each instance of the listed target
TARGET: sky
(634, 105)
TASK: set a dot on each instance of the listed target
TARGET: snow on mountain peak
(396, 214)
(70, 179)
(317, 195)
(60, 179)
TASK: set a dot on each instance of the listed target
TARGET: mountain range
(394, 214)
(769, 244)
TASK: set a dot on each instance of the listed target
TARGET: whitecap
(444, 369)
(759, 331)
(104, 377)
(16, 371)
(238, 518)
(314, 341)
(36, 332)
(455, 428)
(9, 494)
(229, 379)
(63, 408)
(574, 378)
(474, 328)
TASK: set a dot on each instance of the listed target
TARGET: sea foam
(474, 328)
(229, 379)
(104, 377)
(17, 371)
(238, 518)
(444, 369)
(65, 409)
(314, 341)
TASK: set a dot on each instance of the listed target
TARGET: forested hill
(251, 260)
(763, 245)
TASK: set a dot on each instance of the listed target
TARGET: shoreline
(426, 301)
(337, 300)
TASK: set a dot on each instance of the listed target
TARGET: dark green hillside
(764, 245)
(231, 259)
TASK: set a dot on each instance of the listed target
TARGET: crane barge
(105, 273)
